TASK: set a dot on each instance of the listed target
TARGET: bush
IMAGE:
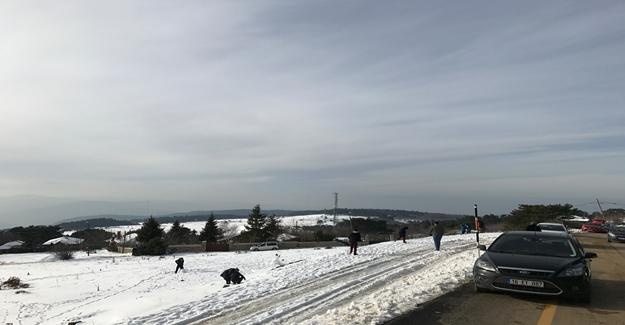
(64, 255)
(13, 283)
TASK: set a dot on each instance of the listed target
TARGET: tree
(150, 237)
(94, 238)
(34, 236)
(528, 213)
(273, 227)
(179, 234)
(211, 232)
(256, 224)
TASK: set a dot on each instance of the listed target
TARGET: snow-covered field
(323, 286)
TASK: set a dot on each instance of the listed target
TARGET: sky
(416, 105)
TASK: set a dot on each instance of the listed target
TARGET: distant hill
(92, 223)
(119, 220)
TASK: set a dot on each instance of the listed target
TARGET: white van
(266, 246)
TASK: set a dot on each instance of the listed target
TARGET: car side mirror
(481, 247)
(590, 255)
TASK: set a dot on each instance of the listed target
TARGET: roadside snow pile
(322, 286)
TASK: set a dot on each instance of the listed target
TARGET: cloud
(284, 103)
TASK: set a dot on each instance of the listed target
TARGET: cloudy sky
(415, 105)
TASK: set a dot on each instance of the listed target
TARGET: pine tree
(179, 234)
(256, 224)
(150, 237)
(273, 227)
(211, 232)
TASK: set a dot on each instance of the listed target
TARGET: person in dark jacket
(437, 232)
(232, 275)
(179, 264)
(402, 233)
(354, 238)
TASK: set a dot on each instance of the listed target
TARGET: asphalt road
(607, 307)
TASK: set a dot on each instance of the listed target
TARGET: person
(232, 275)
(179, 265)
(402, 233)
(354, 238)
(532, 227)
(277, 261)
(437, 232)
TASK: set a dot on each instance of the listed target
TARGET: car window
(534, 245)
(552, 227)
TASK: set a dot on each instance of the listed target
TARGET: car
(552, 227)
(616, 232)
(594, 227)
(266, 246)
(540, 263)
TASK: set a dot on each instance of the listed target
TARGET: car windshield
(534, 245)
(552, 227)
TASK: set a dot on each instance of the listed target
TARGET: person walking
(402, 233)
(179, 265)
(437, 232)
(354, 238)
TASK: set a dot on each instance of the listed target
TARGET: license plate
(527, 283)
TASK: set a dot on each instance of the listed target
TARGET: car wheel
(275, 248)
(609, 239)
(478, 289)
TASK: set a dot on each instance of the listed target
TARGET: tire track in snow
(318, 295)
(172, 315)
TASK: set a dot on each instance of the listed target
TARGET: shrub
(13, 283)
(64, 255)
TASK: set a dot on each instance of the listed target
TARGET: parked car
(594, 227)
(542, 263)
(266, 246)
(616, 232)
(552, 227)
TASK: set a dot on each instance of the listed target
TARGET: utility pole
(336, 205)
(600, 208)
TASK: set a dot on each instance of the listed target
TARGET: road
(607, 307)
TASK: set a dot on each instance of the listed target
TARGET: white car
(552, 227)
(266, 246)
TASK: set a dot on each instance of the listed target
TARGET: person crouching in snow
(354, 238)
(179, 265)
(232, 275)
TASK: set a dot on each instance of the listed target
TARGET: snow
(66, 240)
(315, 286)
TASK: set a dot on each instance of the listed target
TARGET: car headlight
(575, 270)
(610, 234)
(484, 265)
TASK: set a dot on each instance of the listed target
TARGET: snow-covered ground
(323, 286)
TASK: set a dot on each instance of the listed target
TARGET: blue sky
(411, 105)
